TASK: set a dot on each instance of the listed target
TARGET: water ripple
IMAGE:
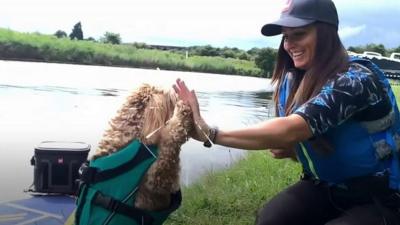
(67, 90)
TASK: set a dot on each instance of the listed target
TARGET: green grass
(233, 196)
(48, 48)
(396, 92)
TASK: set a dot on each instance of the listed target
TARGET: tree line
(264, 58)
(77, 34)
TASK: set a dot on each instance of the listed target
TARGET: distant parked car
(395, 56)
(372, 54)
(389, 65)
(353, 53)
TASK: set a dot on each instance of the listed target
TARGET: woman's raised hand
(201, 131)
(189, 97)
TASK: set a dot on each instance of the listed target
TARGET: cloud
(348, 32)
(175, 22)
(233, 23)
(369, 21)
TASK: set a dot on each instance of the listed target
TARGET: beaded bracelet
(212, 135)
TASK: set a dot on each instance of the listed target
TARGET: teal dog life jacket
(108, 187)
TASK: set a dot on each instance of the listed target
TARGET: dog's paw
(179, 125)
(182, 110)
(183, 114)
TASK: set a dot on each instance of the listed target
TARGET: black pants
(308, 203)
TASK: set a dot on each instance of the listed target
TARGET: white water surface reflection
(43, 101)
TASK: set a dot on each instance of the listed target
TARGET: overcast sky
(232, 23)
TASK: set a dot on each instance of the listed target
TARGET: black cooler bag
(56, 166)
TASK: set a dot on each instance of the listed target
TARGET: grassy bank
(234, 195)
(48, 48)
(396, 91)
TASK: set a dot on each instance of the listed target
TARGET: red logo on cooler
(60, 160)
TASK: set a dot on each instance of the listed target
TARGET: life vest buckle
(107, 202)
(87, 174)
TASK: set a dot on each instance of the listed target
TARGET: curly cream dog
(154, 116)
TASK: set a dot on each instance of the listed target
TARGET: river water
(61, 102)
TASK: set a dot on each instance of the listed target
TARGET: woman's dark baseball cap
(298, 13)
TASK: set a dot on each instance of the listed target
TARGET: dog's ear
(129, 122)
(140, 98)
(133, 109)
(158, 111)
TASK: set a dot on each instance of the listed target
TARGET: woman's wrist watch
(212, 136)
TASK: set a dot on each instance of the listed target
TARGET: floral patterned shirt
(356, 94)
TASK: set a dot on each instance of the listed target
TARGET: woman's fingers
(186, 95)
(283, 153)
(194, 103)
(280, 153)
(182, 91)
(190, 98)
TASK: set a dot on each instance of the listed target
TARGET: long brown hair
(330, 59)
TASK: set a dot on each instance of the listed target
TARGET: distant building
(166, 47)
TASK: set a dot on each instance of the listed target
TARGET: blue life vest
(109, 185)
(357, 151)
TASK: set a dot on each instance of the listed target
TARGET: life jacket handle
(113, 205)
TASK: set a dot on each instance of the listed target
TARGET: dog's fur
(146, 110)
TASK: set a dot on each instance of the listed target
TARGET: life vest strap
(92, 175)
(86, 173)
(377, 184)
(80, 202)
(113, 205)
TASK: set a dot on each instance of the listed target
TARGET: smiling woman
(299, 43)
(336, 115)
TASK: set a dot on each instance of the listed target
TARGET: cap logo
(287, 6)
